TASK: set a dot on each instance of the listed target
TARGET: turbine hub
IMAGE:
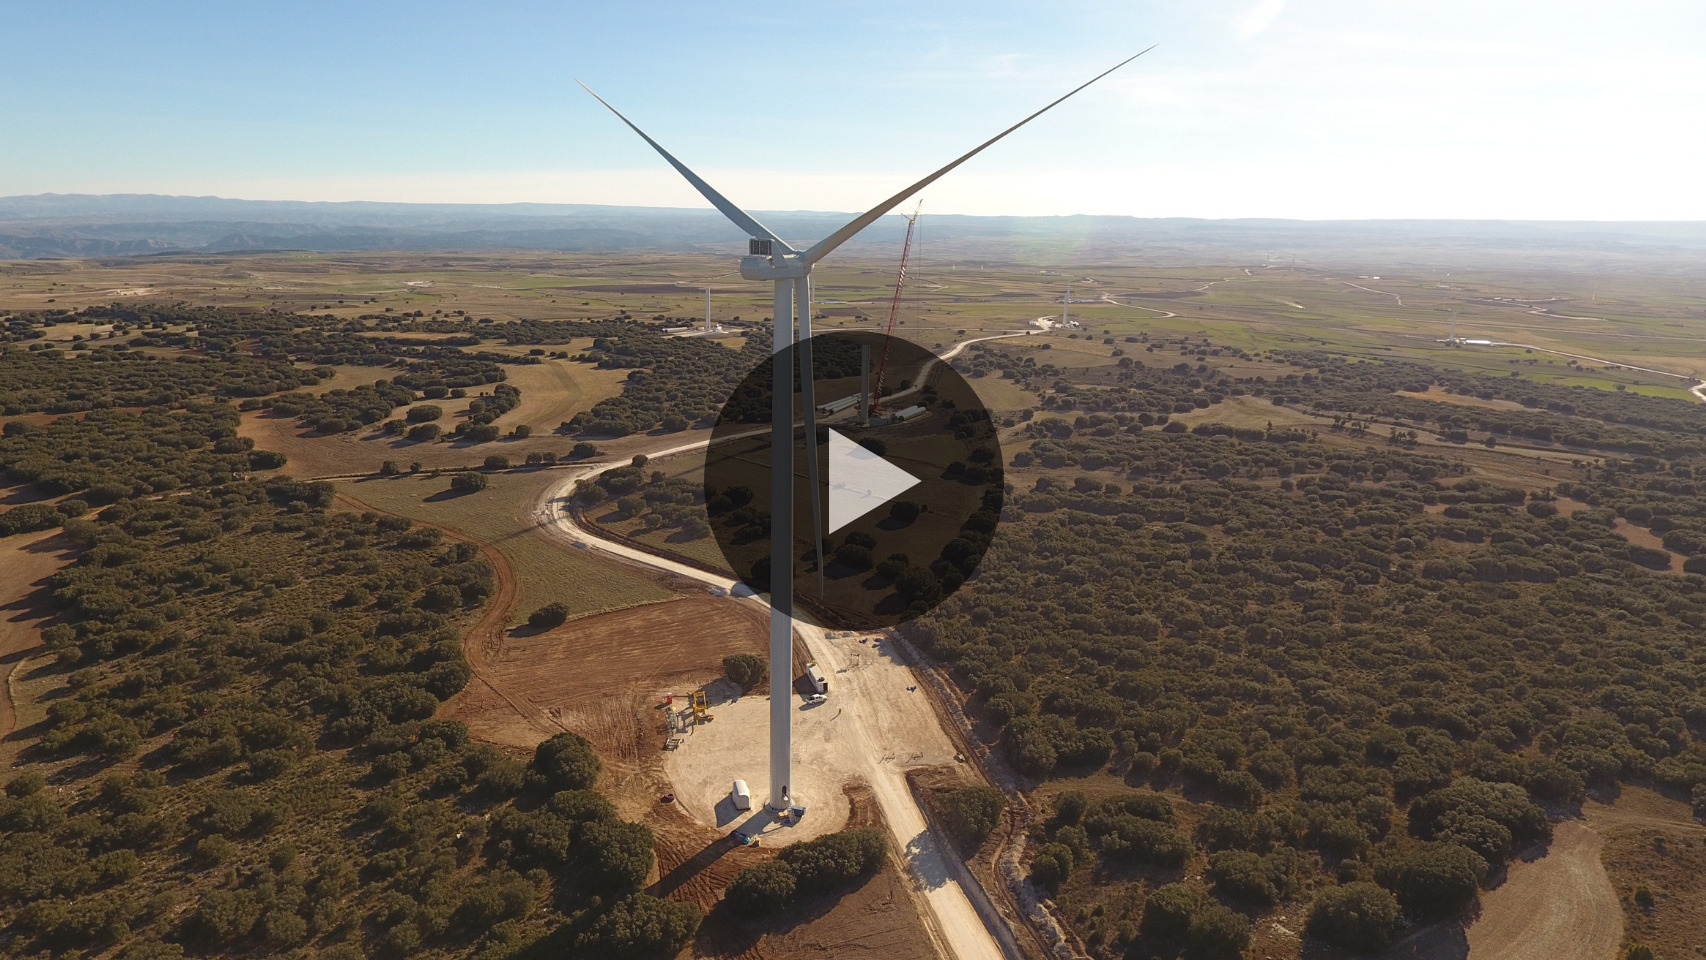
(776, 267)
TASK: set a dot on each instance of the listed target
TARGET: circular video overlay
(907, 498)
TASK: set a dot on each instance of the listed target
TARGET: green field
(500, 515)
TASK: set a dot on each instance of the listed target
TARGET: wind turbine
(769, 257)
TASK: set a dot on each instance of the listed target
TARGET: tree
(970, 813)
(424, 413)
(1357, 916)
(1434, 880)
(425, 433)
(497, 461)
(618, 854)
(761, 889)
(745, 669)
(565, 762)
(1168, 911)
(1052, 865)
(552, 614)
(468, 483)
(641, 927)
(836, 859)
(583, 451)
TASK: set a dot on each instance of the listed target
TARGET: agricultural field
(1306, 631)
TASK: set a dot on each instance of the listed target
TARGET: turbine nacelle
(776, 266)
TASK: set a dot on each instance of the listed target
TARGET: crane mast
(894, 310)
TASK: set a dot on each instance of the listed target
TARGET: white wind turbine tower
(772, 258)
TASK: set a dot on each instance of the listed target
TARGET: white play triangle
(860, 481)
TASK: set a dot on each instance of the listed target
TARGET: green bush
(1052, 865)
(617, 855)
(565, 762)
(424, 413)
(745, 669)
(1360, 917)
(641, 927)
(1434, 880)
(552, 614)
(761, 889)
(468, 483)
(836, 859)
(968, 814)
(1178, 917)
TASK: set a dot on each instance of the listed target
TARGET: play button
(907, 498)
(860, 481)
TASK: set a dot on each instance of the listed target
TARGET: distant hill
(125, 225)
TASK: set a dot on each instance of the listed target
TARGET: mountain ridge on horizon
(54, 225)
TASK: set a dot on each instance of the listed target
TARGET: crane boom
(894, 310)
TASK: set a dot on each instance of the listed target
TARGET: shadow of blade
(692, 866)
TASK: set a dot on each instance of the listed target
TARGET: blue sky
(1293, 108)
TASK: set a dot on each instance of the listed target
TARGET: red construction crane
(894, 310)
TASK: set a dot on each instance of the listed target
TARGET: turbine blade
(822, 248)
(741, 218)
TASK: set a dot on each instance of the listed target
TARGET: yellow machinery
(700, 714)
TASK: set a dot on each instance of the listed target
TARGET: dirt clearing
(1654, 842)
(1558, 907)
(670, 647)
(25, 561)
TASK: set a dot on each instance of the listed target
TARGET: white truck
(813, 674)
(741, 796)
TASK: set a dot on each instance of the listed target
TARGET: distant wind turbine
(769, 257)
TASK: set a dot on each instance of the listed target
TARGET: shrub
(1242, 875)
(550, 615)
(1357, 916)
(565, 762)
(836, 859)
(25, 784)
(1433, 880)
(617, 854)
(497, 461)
(424, 413)
(468, 483)
(745, 669)
(761, 889)
(641, 926)
(970, 813)
(425, 433)
(1052, 865)
(1168, 911)
(1177, 916)
(479, 432)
